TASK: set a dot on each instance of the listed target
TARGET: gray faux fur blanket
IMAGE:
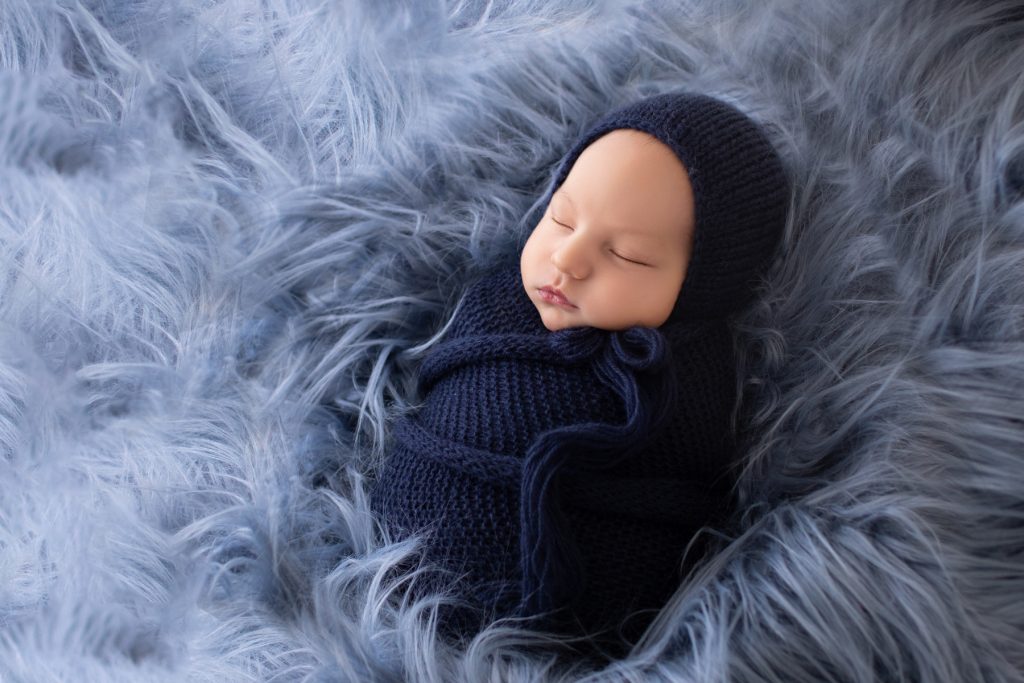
(230, 230)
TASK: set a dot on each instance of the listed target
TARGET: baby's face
(616, 237)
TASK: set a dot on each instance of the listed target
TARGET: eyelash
(619, 255)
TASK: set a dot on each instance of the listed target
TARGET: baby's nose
(568, 258)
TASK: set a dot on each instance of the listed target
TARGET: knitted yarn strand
(552, 571)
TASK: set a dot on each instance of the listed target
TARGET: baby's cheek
(528, 264)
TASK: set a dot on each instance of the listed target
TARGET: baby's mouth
(552, 297)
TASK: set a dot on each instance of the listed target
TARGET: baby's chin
(555, 320)
(555, 325)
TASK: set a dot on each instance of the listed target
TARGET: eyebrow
(622, 229)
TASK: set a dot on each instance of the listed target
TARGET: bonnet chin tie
(552, 573)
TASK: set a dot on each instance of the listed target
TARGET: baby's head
(667, 209)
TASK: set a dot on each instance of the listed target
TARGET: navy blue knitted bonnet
(740, 193)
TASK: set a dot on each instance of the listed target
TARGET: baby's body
(532, 470)
(490, 389)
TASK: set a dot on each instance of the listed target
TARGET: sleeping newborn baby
(576, 430)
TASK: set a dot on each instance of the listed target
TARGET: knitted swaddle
(541, 470)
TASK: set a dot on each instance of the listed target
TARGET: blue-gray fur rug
(229, 229)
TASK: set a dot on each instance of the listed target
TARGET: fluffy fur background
(229, 229)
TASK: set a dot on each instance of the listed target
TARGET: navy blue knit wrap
(559, 476)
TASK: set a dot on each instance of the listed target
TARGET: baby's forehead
(629, 175)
